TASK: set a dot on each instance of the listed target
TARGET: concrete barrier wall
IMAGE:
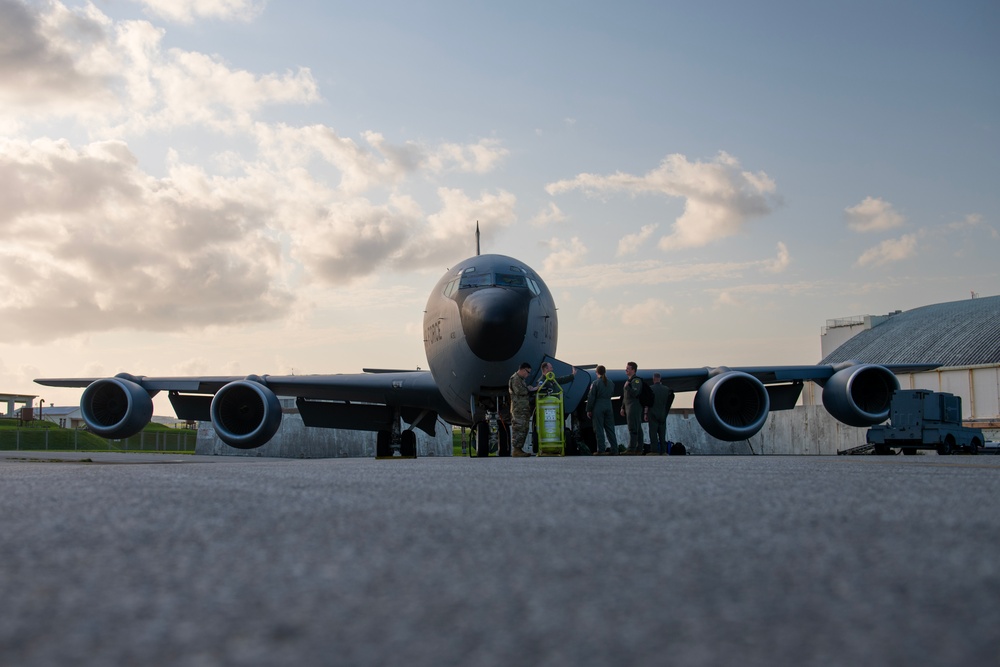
(294, 440)
(806, 430)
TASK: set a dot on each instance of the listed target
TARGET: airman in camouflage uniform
(520, 409)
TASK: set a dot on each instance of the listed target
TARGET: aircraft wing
(359, 401)
(691, 379)
(388, 387)
(732, 403)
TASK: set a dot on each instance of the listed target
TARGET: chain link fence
(46, 439)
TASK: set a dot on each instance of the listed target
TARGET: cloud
(58, 56)
(873, 215)
(655, 272)
(479, 158)
(117, 78)
(100, 244)
(96, 244)
(889, 251)
(720, 197)
(374, 162)
(356, 238)
(630, 243)
(565, 255)
(187, 11)
(551, 214)
(779, 263)
(973, 221)
(650, 312)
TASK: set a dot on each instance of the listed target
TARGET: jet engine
(245, 413)
(860, 394)
(731, 405)
(116, 407)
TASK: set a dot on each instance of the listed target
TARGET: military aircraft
(484, 317)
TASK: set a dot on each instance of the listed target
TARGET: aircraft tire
(504, 437)
(383, 444)
(482, 440)
(408, 444)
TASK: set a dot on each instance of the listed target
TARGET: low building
(12, 401)
(65, 417)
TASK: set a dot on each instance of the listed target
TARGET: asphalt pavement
(191, 560)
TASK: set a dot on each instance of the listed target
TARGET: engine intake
(860, 394)
(116, 407)
(732, 405)
(245, 414)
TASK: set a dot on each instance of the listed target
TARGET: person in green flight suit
(601, 413)
(632, 410)
(656, 415)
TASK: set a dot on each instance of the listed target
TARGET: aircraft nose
(495, 321)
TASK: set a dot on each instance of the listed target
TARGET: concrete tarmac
(180, 560)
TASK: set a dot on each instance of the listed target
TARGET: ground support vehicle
(924, 419)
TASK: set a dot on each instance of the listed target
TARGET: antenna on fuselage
(477, 238)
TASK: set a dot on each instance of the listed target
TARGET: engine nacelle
(860, 394)
(116, 407)
(245, 413)
(732, 405)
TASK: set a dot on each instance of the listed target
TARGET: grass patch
(46, 436)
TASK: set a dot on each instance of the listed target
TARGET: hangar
(963, 336)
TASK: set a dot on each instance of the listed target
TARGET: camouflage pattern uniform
(520, 411)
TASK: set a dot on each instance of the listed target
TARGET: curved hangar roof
(958, 333)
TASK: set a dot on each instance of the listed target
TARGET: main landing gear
(492, 435)
(396, 443)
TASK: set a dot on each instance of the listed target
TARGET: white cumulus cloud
(630, 243)
(719, 196)
(95, 242)
(889, 251)
(187, 11)
(780, 262)
(873, 215)
(564, 255)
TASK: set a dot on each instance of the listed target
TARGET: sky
(226, 187)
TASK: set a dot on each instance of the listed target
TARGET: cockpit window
(510, 280)
(475, 280)
(533, 286)
(450, 288)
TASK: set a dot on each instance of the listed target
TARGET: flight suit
(633, 413)
(602, 414)
(663, 398)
